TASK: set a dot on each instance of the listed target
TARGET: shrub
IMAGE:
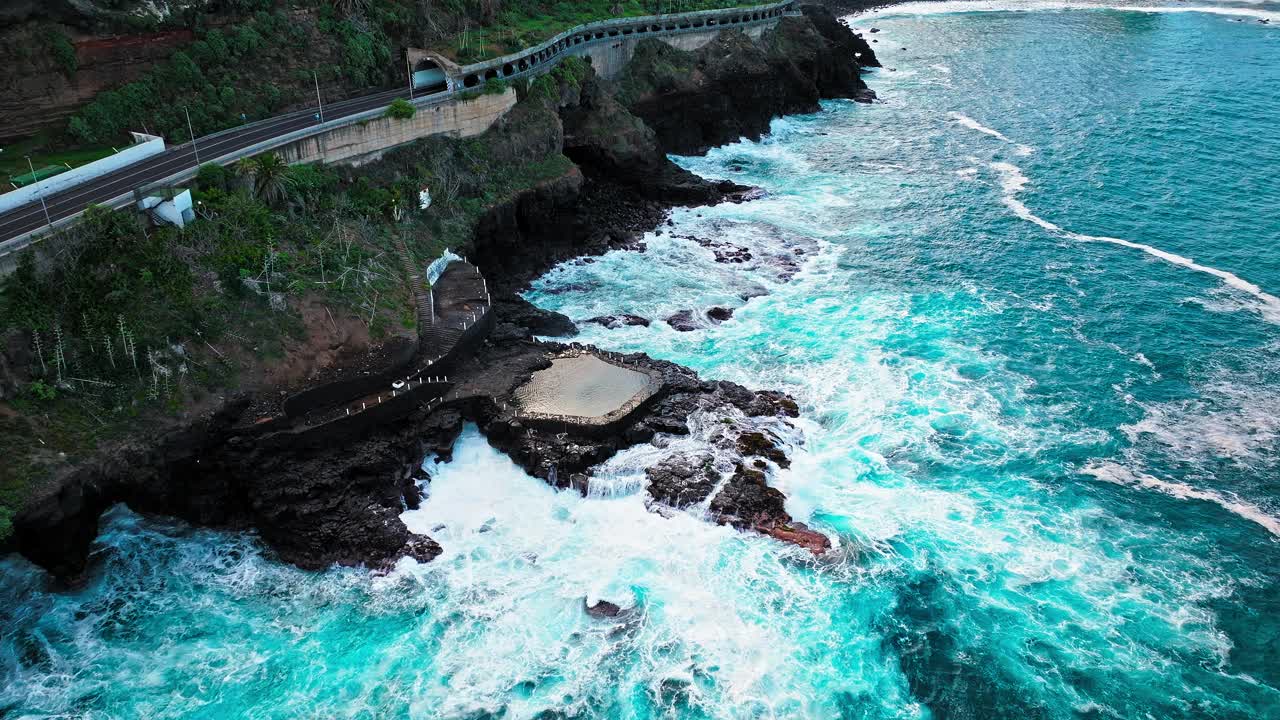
(545, 87)
(400, 109)
(572, 71)
(63, 52)
(212, 176)
(494, 86)
(41, 391)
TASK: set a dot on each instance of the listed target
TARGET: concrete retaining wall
(149, 145)
(367, 140)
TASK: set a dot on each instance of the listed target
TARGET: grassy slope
(44, 150)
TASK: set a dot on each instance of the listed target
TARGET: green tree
(400, 109)
(62, 51)
(212, 176)
(269, 177)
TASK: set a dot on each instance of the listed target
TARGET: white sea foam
(972, 124)
(1014, 181)
(1233, 418)
(973, 6)
(1119, 475)
(520, 558)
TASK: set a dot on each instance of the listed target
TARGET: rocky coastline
(339, 502)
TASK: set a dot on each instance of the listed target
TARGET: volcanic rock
(601, 609)
(683, 321)
(613, 322)
(720, 314)
(682, 480)
(758, 444)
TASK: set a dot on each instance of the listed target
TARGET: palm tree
(271, 181)
(247, 170)
(266, 176)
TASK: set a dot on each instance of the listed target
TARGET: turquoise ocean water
(1034, 335)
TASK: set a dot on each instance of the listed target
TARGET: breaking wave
(1119, 475)
(926, 7)
(972, 124)
(1013, 181)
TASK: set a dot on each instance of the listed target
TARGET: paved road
(74, 199)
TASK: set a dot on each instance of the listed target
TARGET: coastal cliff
(338, 502)
(733, 87)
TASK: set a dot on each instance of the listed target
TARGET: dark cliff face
(843, 41)
(339, 502)
(734, 86)
(315, 505)
(622, 185)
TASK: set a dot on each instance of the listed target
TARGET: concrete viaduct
(356, 130)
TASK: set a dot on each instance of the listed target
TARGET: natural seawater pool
(584, 385)
(1035, 346)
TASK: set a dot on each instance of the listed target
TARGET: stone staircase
(462, 300)
(437, 340)
(421, 293)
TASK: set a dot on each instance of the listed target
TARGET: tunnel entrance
(429, 77)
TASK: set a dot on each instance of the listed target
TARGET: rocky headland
(337, 500)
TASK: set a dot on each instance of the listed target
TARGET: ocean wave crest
(972, 6)
(972, 124)
(1013, 181)
(1119, 475)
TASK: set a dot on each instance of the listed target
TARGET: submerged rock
(613, 322)
(601, 608)
(720, 314)
(683, 321)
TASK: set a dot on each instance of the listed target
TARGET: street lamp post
(409, 70)
(32, 167)
(319, 102)
(192, 132)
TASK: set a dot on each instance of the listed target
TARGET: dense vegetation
(133, 325)
(243, 72)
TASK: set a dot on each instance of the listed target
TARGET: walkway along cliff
(320, 488)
